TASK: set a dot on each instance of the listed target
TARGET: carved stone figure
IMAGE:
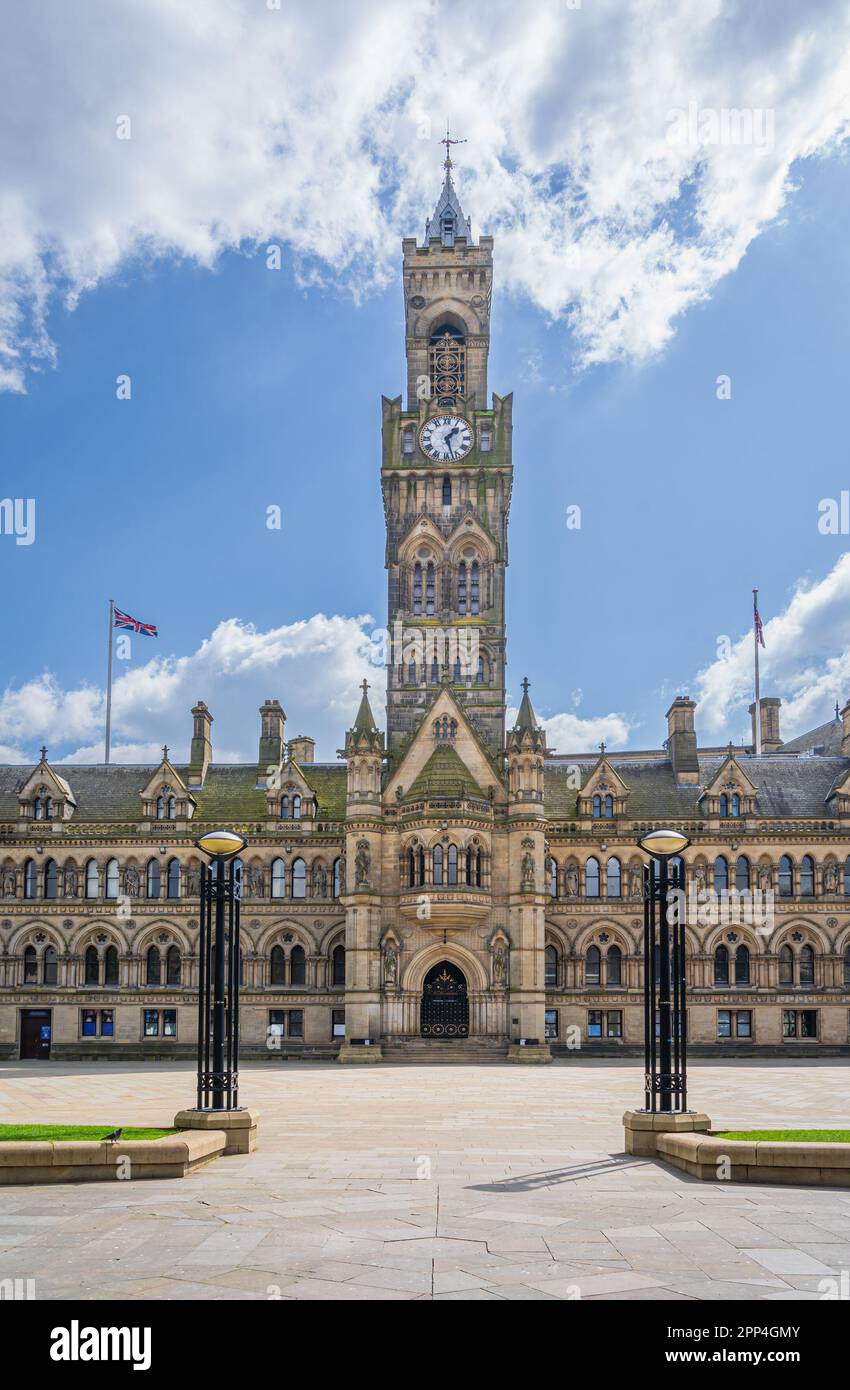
(764, 877)
(390, 965)
(699, 878)
(320, 883)
(499, 966)
(255, 881)
(193, 881)
(635, 881)
(361, 865)
(571, 881)
(830, 879)
(9, 883)
(131, 882)
(71, 882)
(343, 872)
(527, 870)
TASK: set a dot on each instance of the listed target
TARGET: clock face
(446, 437)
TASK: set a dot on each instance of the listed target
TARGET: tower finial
(447, 141)
(365, 686)
(525, 685)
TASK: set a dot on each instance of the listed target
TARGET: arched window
(91, 879)
(451, 865)
(592, 965)
(475, 588)
(299, 878)
(597, 807)
(411, 672)
(736, 804)
(160, 808)
(807, 966)
(614, 965)
(172, 965)
(461, 588)
(786, 877)
(742, 965)
(721, 874)
(742, 873)
(435, 670)
(172, 808)
(553, 878)
(847, 877)
(279, 878)
(591, 878)
(338, 967)
(614, 878)
(479, 673)
(153, 963)
(429, 590)
(111, 879)
(284, 808)
(437, 861)
(447, 492)
(721, 965)
(92, 966)
(152, 879)
(38, 808)
(277, 969)
(297, 966)
(407, 441)
(417, 590)
(786, 966)
(337, 877)
(50, 967)
(551, 967)
(29, 879)
(172, 882)
(30, 966)
(296, 807)
(110, 966)
(724, 805)
(807, 876)
(51, 879)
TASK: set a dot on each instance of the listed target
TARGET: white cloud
(307, 125)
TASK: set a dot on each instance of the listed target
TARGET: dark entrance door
(445, 1007)
(35, 1033)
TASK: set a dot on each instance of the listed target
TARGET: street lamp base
(240, 1126)
(643, 1128)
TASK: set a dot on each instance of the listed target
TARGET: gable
(469, 761)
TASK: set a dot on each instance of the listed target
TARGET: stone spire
(448, 224)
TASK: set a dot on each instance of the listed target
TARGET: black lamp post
(665, 1044)
(218, 973)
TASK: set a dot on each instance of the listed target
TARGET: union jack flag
(128, 624)
(758, 627)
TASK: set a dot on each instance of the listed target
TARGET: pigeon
(114, 1136)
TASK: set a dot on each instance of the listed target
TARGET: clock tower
(446, 479)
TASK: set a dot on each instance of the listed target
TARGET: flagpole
(756, 649)
(109, 682)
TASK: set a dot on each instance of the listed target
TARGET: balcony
(441, 907)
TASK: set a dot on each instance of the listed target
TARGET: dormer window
(447, 228)
(42, 807)
(730, 805)
(603, 807)
(166, 805)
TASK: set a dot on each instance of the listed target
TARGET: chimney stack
(769, 711)
(200, 755)
(302, 749)
(682, 741)
(272, 722)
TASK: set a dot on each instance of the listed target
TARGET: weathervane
(447, 141)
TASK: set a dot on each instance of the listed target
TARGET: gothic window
(111, 881)
(279, 878)
(160, 808)
(30, 966)
(614, 966)
(411, 672)
(613, 879)
(451, 865)
(447, 363)
(110, 966)
(724, 805)
(50, 967)
(742, 873)
(435, 671)
(92, 966)
(445, 728)
(553, 878)
(592, 966)
(474, 588)
(721, 874)
(298, 966)
(721, 965)
(551, 967)
(152, 879)
(417, 590)
(736, 804)
(337, 877)
(299, 878)
(437, 865)
(338, 967)
(591, 878)
(91, 879)
(153, 966)
(456, 669)
(479, 674)
(461, 589)
(807, 966)
(172, 880)
(29, 879)
(847, 877)
(296, 807)
(807, 876)
(447, 492)
(429, 589)
(847, 968)
(786, 966)
(43, 806)
(284, 808)
(786, 877)
(172, 965)
(51, 879)
(277, 969)
(742, 965)
(407, 441)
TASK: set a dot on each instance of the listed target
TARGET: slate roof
(444, 774)
(448, 199)
(825, 736)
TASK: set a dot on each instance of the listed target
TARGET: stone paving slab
(435, 1183)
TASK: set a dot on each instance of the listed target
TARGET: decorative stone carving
(255, 881)
(830, 878)
(571, 881)
(500, 967)
(764, 877)
(9, 883)
(193, 881)
(390, 965)
(131, 882)
(71, 882)
(320, 883)
(635, 881)
(362, 864)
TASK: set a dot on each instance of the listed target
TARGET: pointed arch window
(461, 588)
(29, 879)
(479, 674)
(847, 968)
(847, 877)
(298, 966)
(284, 808)
(786, 966)
(724, 805)
(553, 878)
(338, 967)
(92, 966)
(742, 873)
(447, 493)
(279, 878)
(614, 966)
(721, 874)
(447, 349)
(435, 671)
(153, 966)
(721, 965)
(614, 878)
(277, 966)
(417, 590)
(807, 876)
(299, 878)
(736, 804)
(429, 589)
(451, 865)
(742, 965)
(807, 966)
(50, 967)
(91, 879)
(551, 966)
(411, 672)
(591, 877)
(592, 966)
(172, 965)
(296, 807)
(111, 880)
(51, 879)
(110, 966)
(786, 877)
(172, 879)
(473, 867)
(475, 588)
(152, 879)
(437, 858)
(30, 966)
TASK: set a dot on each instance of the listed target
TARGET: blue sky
(253, 387)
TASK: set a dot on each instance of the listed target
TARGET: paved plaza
(427, 1182)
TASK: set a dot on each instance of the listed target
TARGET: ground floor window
(734, 1023)
(160, 1023)
(799, 1023)
(286, 1023)
(97, 1023)
(338, 1023)
(551, 1029)
(605, 1023)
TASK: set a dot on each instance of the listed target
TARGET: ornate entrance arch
(444, 1009)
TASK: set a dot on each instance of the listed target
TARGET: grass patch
(788, 1136)
(30, 1133)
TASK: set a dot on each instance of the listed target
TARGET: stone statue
(699, 878)
(830, 879)
(361, 865)
(764, 877)
(571, 881)
(343, 871)
(635, 881)
(499, 966)
(320, 884)
(71, 882)
(390, 965)
(527, 869)
(9, 883)
(131, 882)
(255, 881)
(193, 881)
